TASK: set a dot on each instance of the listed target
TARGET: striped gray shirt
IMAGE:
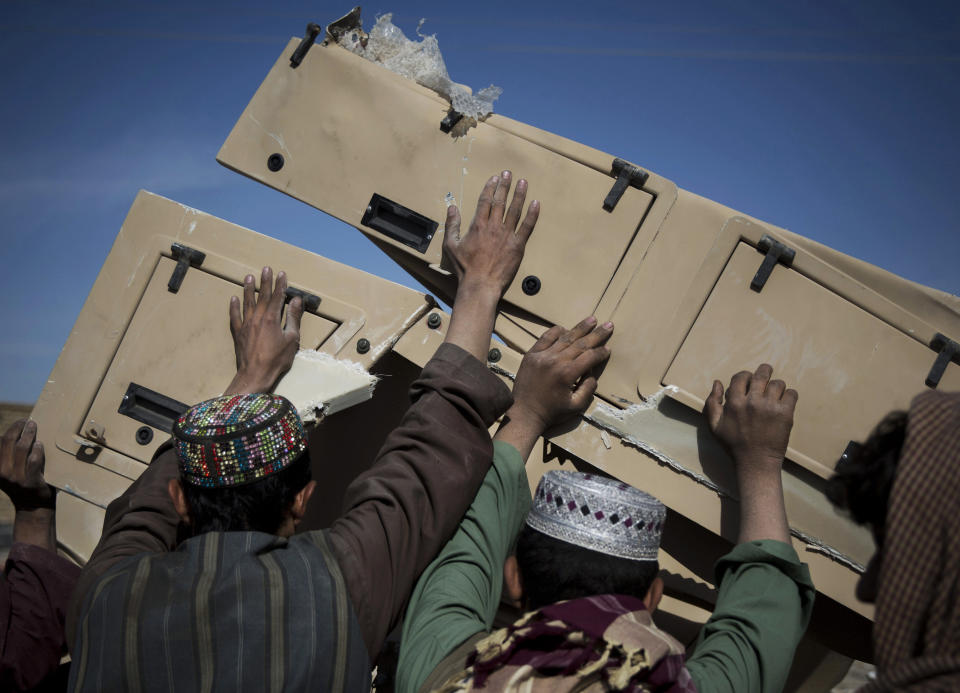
(226, 611)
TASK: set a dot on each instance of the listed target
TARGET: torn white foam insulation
(317, 383)
(420, 61)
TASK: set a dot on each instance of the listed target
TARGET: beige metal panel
(132, 328)
(850, 367)
(327, 119)
(163, 338)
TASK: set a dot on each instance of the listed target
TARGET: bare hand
(557, 377)
(755, 420)
(490, 253)
(264, 344)
(21, 468)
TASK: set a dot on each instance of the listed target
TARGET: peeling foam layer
(317, 383)
(420, 61)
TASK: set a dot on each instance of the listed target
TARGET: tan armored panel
(697, 292)
(151, 341)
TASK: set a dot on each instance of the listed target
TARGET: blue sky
(837, 120)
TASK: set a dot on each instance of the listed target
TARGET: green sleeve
(763, 608)
(457, 595)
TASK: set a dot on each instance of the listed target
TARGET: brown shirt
(397, 515)
(35, 588)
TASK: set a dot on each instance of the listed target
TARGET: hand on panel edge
(556, 381)
(489, 254)
(21, 478)
(264, 343)
(753, 418)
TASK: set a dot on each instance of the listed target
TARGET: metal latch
(776, 252)
(186, 258)
(313, 30)
(399, 223)
(949, 350)
(627, 175)
(450, 120)
(310, 301)
(150, 407)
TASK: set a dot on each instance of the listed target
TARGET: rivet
(530, 285)
(144, 435)
(275, 161)
(363, 345)
(434, 321)
(494, 355)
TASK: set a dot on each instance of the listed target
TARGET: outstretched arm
(143, 518)
(765, 593)
(458, 593)
(754, 423)
(402, 511)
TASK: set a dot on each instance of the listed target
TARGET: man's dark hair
(259, 506)
(553, 570)
(862, 482)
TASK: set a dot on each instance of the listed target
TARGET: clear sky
(837, 120)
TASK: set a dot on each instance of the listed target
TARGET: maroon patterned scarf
(601, 643)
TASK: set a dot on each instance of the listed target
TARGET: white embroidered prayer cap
(599, 514)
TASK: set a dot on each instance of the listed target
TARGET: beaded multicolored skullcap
(599, 514)
(237, 439)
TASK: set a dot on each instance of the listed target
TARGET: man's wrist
(520, 431)
(479, 288)
(524, 418)
(35, 526)
(245, 383)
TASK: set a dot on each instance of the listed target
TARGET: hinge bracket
(450, 120)
(310, 301)
(627, 175)
(776, 252)
(948, 350)
(186, 258)
(313, 30)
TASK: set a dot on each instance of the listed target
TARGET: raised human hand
(753, 418)
(557, 377)
(21, 468)
(489, 254)
(264, 344)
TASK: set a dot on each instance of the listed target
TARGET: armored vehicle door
(153, 338)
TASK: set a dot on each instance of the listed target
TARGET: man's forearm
(762, 511)
(474, 313)
(403, 510)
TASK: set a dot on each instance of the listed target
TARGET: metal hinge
(776, 252)
(310, 301)
(186, 258)
(627, 175)
(948, 350)
(313, 30)
(450, 120)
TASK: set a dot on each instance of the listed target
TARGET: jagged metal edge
(653, 452)
(818, 546)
